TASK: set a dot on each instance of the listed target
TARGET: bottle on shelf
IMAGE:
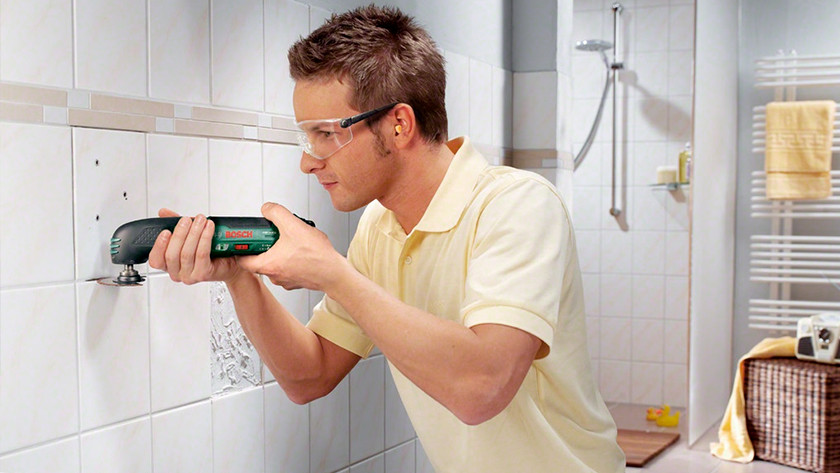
(684, 168)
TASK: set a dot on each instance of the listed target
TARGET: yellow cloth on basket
(734, 440)
(797, 155)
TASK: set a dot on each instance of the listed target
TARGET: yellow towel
(798, 149)
(735, 444)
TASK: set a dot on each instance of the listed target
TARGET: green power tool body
(234, 236)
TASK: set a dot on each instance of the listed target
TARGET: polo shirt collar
(456, 189)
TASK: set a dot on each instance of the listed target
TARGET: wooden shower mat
(640, 447)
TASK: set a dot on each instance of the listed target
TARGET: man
(463, 274)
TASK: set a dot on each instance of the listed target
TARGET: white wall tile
(329, 430)
(679, 118)
(648, 252)
(648, 340)
(286, 433)
(588, 25)
(676, 207)
(239, 433)
(123, 448)
(616, 252)
(676, 297)
(398, 428)
(373, 465)
(58, 457)
(682, 27)
(535, 110)
(481, 102)
(616, 295)
(285, 22)
(113, 353)
(593, 336)
(676, 253)
(647, 384)
(675, 385)
(111, 46)
(590, 169)
(283, 181)
(588, 76)
(615, 381)
(502, 107)
(110, 190)
(367, 418)
(30, 375)
(615, 343)
(179, 325)
(649, 32)
(648, 296)
(676, 342)
(649, 208)
(592, 293)
(237, 65)
(400, 459)
(680, 72)
(457, 93)
(651, 119)
(235, 168)
(586, 208)
(647, 156)
(179, 50)
(182, 439)
(36, 195)
(327, 219)
(36, 42)
(650, 81)
(178, 175)
(588, 243)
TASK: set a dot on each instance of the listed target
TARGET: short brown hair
(386, 56)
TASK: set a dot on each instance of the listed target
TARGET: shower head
(593, 45)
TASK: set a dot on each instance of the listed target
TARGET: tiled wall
(635, 271)
(109, 111)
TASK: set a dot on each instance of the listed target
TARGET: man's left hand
(302, 257)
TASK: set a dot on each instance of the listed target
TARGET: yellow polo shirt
(494, 246)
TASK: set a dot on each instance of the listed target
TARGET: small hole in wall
(97, 218)
(125, 195)
(97, 162)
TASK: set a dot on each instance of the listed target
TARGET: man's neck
(419, 179)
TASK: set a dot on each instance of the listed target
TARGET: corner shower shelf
(670, 186)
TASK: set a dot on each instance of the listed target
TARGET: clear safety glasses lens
(322, 138)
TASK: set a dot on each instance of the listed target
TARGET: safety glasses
(323, 138)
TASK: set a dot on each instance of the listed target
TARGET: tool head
(127, 277)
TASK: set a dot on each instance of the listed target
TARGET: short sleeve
(516, 269)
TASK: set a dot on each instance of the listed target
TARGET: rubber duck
(666, 419)
(653, 413)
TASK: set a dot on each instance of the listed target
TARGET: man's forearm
(471, 372)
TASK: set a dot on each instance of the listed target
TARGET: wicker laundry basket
(793, 412)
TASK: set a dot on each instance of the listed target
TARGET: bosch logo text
(239, 234)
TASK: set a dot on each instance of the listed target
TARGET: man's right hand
(185, 253)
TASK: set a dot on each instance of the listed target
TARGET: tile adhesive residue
(235, 363)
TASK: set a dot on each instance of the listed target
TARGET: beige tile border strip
(34, 104)
(19, 112)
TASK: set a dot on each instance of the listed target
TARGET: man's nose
(310, 164)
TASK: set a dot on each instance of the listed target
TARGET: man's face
(359, 172)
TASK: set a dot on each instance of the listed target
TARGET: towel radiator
(783, 257)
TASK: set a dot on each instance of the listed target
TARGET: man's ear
(405, 125)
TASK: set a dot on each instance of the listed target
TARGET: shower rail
(782, 258)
